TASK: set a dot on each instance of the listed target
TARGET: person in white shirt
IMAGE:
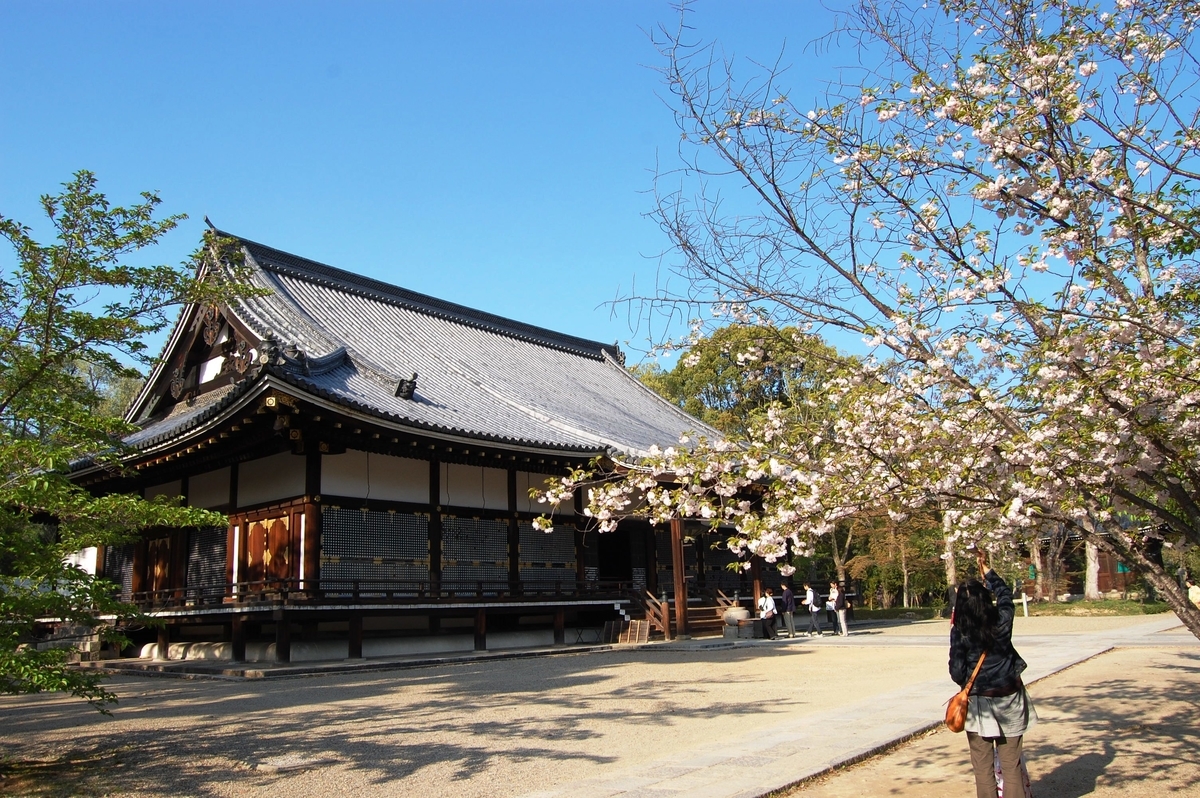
(837, 603)
(812, 600)
(767, 612)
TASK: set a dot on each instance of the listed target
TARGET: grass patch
(1069, 608)
(1102, 607)
(893, 613)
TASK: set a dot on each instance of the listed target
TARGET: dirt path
(1126, 723)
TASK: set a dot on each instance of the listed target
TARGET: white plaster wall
(280, 476)
(209, 369)
(527, 480)
(210, 489)
(377, 476)
(474, 486)
(171, 489)
(85, 559)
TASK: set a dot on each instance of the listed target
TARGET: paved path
(660, 720)
(795, 750)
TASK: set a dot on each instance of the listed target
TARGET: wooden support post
(435, 528)
(580, 549)
(283, 638)
(237, 638)
(356, 637)
(481, 629)
(681, 604)
(560, 627)
(514, 537)
(310, 575)
(163, 651)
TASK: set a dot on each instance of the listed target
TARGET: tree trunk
(1119, 544)
(951, 572)
(840, 553)
(904, 573)
(1091, 580)
(1039, 566)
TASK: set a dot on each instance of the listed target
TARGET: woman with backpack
(999, 711)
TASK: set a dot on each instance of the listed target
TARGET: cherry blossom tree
(1000, 199)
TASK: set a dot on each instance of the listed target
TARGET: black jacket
(1001, 671)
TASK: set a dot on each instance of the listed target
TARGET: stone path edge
(856, 757)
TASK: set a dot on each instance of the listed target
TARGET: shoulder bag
(956, 710)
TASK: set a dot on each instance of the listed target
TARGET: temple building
(373, 449)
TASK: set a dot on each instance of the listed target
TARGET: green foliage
(73, 315)
(729, 378)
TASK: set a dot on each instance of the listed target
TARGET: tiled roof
(479, 375)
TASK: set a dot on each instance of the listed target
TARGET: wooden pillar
(481, 629)
(756, 575)
(310, 573)
(233, 542)
(650, 539)
(699, 546)
(356, 636)
(580, 570)
(283, 638)
(560, 627)
(164, 643)
(237, 638)
(435, 528)
(681, 608)
(514, 536)
(137, 582)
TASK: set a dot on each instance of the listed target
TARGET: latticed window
(388, 551)
(118, 568)
(547, 558)
(474, 550)
(206, 559)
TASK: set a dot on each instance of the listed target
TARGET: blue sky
(493, 154)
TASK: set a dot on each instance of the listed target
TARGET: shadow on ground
(199, 737)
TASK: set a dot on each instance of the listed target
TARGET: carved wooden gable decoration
(214, 351)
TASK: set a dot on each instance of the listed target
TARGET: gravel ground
(489, 728)
(1121, 724)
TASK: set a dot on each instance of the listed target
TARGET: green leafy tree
(73, 317)
(730, 377)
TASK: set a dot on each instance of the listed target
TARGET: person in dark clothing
(999, 711)
(789, 609)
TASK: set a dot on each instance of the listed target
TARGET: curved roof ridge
(277, 260)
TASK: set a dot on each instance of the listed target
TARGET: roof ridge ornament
(406, 388)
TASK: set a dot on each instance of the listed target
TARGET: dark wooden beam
(514, 536)
(356, 636)
(164, 643)
(681, 608)
(435, 527)
(311, 575)
(481, 629)
(560, 627)
(283, 637)
(237, 638)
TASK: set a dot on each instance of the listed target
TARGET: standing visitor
(789, 609)
(1193, 592)
(999, 711)
(813, 602)
(837, 600)
(766, 611)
